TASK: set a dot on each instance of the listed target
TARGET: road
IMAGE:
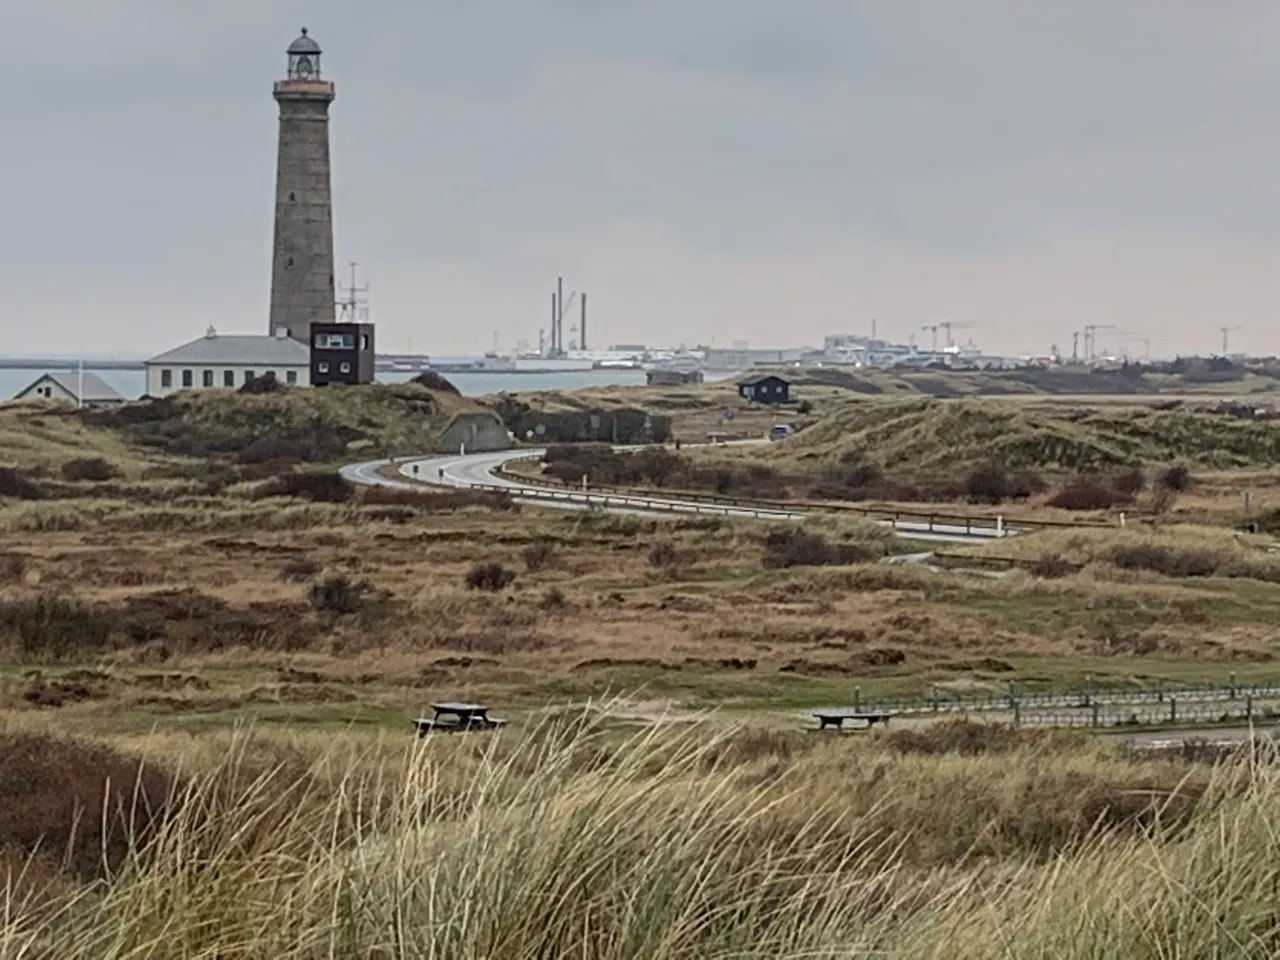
(479, 470)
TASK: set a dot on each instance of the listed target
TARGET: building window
(345, 367)
(364, 341)
(166, 378)
(322, 366)
(187, 378)
(208, 378)
(335, 341)
(228, 378)
(248, 375)
(291, 376)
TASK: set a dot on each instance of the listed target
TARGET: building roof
(761, 378)
(304, 44)
(248, 351)
(96, 390)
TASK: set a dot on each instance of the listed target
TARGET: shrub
(263, 384)
(1130, 482)
(664, 555)
(800, 548)
(84, 804)
(89, 469)
(317, 487)
(538, 555)
(1088, 493)
(1176, 478)
(989, 483)
(299, 569)
(13, 567)
(493, 577)
(1166, 560)
(433, 381)
(337, 594)
(438, 500)
(964, 737)
(1050, 566)
(14, 484)
(56, 628)
(804, 407)
(554, 599)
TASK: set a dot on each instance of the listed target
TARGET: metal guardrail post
(857, 699)
(1173, 709)
(1095, 714)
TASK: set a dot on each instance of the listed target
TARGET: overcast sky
(761, 170)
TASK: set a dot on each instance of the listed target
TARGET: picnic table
(836, 718)
(455, 717)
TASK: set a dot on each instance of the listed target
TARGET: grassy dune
(930, 435)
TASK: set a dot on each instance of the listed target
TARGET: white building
(79, 388)
(216, 361)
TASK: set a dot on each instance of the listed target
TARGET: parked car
(780, 431)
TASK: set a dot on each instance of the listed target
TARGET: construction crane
(949, 326)
(1091, 338)
(933, 329)
(1225, 331)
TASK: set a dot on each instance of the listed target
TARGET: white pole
(1000, 525)
(1122, 519)
(462, 449)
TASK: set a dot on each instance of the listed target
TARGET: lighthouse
(302, 285)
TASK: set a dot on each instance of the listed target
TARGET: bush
(964, 737)
(337, 594)
(1176, 479)
(89, 470)
(800, 548)
(84, 804)
(14, 484)
(55, 628)
(1130, 482)
(538, 555)
(664, 555)
(493, 577)
(264, 384)
(554, 599)
(1050, 566)
(317, 487)
(438, 500)
(988, 484)
(1166, 560)
(1088, 493)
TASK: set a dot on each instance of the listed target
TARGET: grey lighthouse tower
(302, 288)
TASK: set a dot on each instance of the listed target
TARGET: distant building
(743, 357)
(216, 361)
(73, 387)
(341, 353)
(672, 378)
(768, 388)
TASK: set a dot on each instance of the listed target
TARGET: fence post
(1173, 709)
(1248, 709)
(1094, 713)
(1017, 714)
(1013, 696)
(857, 699)
(999, 525)
(1233, 685)
(1159, 691)
(933, 697)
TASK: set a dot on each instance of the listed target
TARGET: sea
(132, 383)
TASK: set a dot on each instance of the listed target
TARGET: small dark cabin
(768, 388)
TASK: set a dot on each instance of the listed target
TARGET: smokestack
(554, 309)
(582, 333)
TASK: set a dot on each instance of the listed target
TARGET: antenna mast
(354, 305)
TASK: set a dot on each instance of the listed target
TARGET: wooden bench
(836, 718)
(455, 718)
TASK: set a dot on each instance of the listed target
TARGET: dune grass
(569, 838)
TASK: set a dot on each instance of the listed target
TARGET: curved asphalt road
(478, 469)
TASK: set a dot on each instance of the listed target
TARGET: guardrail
(974, 526)
(1172, 713)
(605, 500)
(1016, 700)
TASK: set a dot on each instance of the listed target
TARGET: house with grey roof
(221, 361)
(75, 387)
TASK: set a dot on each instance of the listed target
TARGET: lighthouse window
(289, 262)
(293, 198)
